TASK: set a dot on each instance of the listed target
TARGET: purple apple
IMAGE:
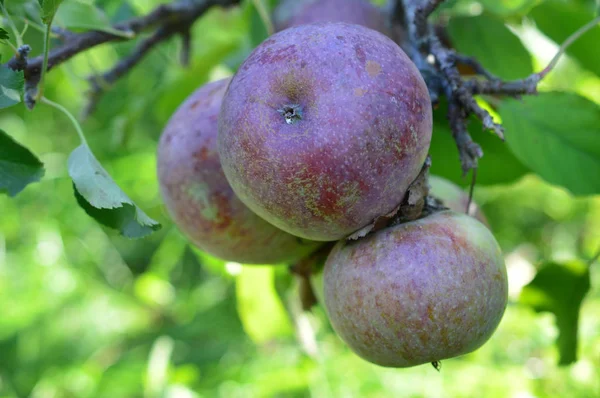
(199, 198)
(454, 197)
(301, 12)
(418, 292)
(323, 128)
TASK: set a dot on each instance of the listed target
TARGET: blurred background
(87, 313)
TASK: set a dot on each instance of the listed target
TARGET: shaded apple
(418, 292)
(198, 196)
(454, 197)
(300, 12)
(323, 128)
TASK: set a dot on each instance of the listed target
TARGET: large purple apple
(323, 128)
(417, 292)
(199, 198)
(301, 12)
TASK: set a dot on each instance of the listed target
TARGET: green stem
(70, 116)
(47, 32)
(24, 29)
(570, 40)
(12, 46)
(38, 27)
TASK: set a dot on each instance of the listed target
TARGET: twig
(422, 12)
(511, 89)
(186, 48)
(529, 84)
(469, 151)
(99, 84)
(443, 77)
(62, 34)
(570, 40)
(19, 62)
(449, 70)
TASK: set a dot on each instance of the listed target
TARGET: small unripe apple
(199, 198)
(323, 128)
(300, 12)
(454, 198)
(418, 292)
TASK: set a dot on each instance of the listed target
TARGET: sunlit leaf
(259, 306)
(18, 166)
(557, 136)
(76, 14)
(11, 86)
(49, 8)
(29, 9)
(258, 29)
(560, 289)
(508, 7)
(102, 198)
(489, 40)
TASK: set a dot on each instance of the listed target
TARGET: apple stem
(291, 113)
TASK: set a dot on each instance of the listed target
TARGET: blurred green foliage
(85, 312)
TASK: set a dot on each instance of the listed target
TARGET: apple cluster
(321, 132)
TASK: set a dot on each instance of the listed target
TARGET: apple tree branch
(439, 66)
(164, 22)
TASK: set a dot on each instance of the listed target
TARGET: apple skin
(199, 198)
(455, 198)
(323, 128)
(301, 12)
(418, 292)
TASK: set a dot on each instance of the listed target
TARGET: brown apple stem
(308, 298)
(305, 269)
(471, 189)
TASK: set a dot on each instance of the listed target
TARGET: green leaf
(102, 198)
(11, 86)
(258, 31)
(49, 8)
(75, 14)
(18, 166)
(261, 311)
(498, 165)
(558, 20)
(507, 8)
(489, 40)
(4, 34)
(560, 289)
(29, 9)
(557, 135)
